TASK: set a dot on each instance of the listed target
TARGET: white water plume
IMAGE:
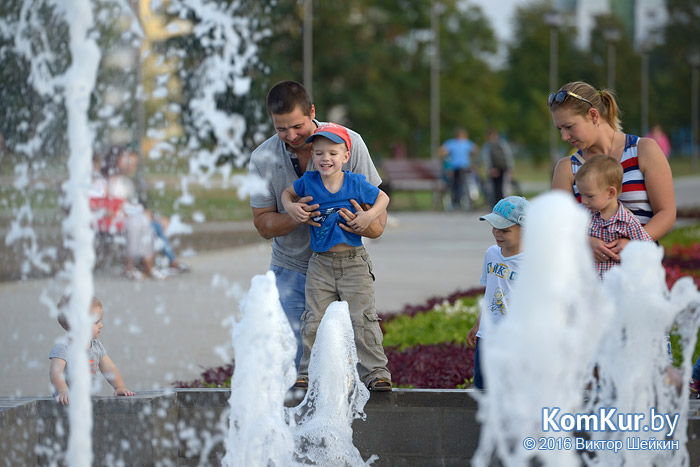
(563, 324)
(319, 430)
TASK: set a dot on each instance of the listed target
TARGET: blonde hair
(603, 101)
(63, 306)
(605, 170)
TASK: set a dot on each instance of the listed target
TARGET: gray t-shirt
(271, 161)
(95, 354)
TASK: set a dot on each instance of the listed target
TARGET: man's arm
(271, 223)
(365, 217)
(374, 230)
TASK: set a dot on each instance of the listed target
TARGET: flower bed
(425, 343)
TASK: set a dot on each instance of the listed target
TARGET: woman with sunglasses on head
(589, 120)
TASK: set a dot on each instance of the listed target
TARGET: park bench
(413, 175)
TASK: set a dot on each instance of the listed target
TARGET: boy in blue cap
(500, 271)
(339, 268)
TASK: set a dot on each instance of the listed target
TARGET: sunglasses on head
(560, 97)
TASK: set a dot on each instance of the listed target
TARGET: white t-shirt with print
(498, 275)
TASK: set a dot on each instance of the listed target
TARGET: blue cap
(508, 212)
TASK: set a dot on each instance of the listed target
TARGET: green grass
(217, 204)
(682, 165)
(685, 235)
(444, 323)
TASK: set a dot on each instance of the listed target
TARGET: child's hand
(471, 337)
(62, 397)
(123, 391)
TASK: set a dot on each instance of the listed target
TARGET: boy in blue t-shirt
(339, 268)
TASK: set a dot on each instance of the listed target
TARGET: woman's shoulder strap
(630, 140)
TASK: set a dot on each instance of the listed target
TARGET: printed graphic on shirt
(324, 215)
(498, 302)
(326, 227)
(501, 270)
(94, 367)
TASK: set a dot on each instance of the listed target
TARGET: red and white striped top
(634, 194)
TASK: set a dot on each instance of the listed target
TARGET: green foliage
(685, 235)
(670, 69)
(445, 323)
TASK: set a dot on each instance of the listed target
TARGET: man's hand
(373, 230)
(310, 210)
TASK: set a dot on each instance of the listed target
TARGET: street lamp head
(694, 59)
(554, 18)
(612, 34)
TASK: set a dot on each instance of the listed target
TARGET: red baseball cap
(336, 133)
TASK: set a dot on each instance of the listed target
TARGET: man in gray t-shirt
(281, 160)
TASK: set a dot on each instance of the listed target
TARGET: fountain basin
(187, 427)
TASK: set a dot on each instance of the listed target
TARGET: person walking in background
(497, 158)
(457, 153)
(589, 120)
(279, 161)
(658, 135)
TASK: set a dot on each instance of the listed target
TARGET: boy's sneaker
(380, 385)
(694, 388)
(302, 383)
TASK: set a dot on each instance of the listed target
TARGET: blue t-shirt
(355, 186)
(459, 152)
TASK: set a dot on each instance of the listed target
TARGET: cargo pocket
(373, 333)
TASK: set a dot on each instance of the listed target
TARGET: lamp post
(645, 49)
(435, 81)
(612, 36)
(308, 45)
(694, 60)
(554, 20)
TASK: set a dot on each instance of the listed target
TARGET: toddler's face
(96, 315)
(593, 196)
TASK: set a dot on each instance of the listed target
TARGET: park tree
(627, 86)
(670, 70)
(371, 67)
(36, 34)
(526, 78)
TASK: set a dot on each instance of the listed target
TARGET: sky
(500, 13)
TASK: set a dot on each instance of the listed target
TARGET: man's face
(293, 128)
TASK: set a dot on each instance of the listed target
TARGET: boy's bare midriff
(341, 247)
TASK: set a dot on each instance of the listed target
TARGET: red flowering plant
(426, 343)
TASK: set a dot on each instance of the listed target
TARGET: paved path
(158, 332)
